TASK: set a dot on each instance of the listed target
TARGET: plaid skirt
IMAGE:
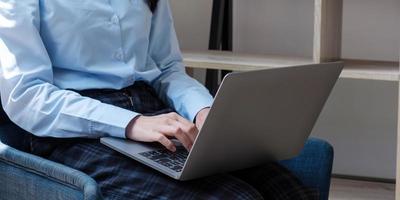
(120, 177)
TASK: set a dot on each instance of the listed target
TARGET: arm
(26, 84)
(174, 86)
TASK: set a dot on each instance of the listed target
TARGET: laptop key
(163, 160)
(173, 161)
(157, 157)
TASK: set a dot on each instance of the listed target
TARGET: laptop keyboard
(173, 160)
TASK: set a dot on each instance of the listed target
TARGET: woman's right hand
(162, 128)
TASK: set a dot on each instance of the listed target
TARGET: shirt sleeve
(28, 94)
(184, 94)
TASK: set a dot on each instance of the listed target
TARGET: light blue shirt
(49, 46)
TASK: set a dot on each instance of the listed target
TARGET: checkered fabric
(120, 177)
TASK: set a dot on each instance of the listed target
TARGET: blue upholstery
(25, 176)
(314, 165)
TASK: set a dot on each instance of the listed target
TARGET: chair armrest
(25, 176)
(314, 165)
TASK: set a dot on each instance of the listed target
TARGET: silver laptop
(256, 117)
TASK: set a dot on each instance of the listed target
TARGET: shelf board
(223, 60)
(371, 70)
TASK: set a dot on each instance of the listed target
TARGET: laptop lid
(260, 115)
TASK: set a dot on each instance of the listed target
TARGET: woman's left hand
(201, 117)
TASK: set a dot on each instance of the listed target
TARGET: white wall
(360, 116)
(371, 29)
(192, 23)
(283, 27)
(360, 121)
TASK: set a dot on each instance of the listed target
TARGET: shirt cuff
(194, 102)
(112, 121)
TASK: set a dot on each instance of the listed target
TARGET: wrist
(129, 127)
(201, 117)
(198, 114)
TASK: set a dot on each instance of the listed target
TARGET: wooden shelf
(371, 70)
(354, 69)
(224, 60)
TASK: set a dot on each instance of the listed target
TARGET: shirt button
(115, 19)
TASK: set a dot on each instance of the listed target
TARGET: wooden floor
(344, 189)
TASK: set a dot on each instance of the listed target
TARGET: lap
(120, 177)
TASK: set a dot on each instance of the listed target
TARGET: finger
(183, 138)
(188, 127)
(178, 133)
(179, 118)
(165, 142)
(189, 130)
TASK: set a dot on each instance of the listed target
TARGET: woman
(73, 71)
